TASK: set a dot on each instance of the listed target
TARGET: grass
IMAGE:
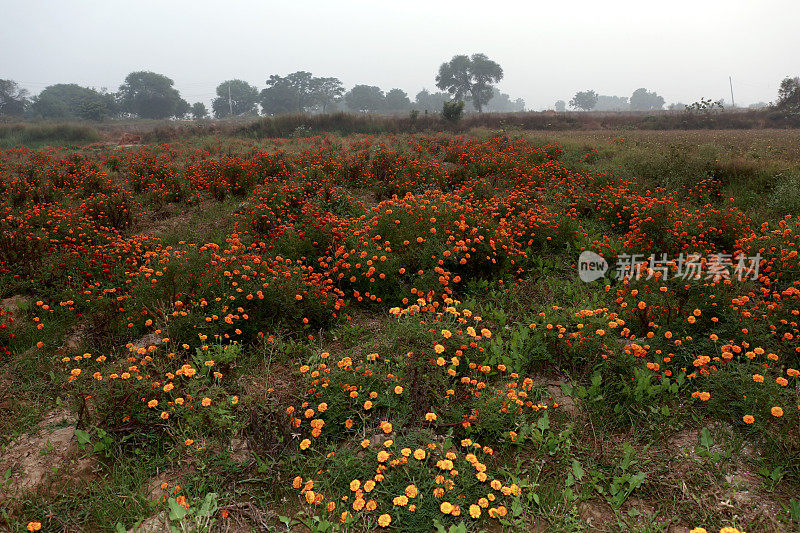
(627, 449)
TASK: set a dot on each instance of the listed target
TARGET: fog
(548, 50)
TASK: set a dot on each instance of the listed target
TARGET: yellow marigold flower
(365, 443)
(386, 427)
(355, 485)
(382, 456)
(152, 403)
(412, 491)
(438, 348)
(400, 501)
(430, 417)
(419, 454)
(398, 390)
(384, 520)
(446, 507)
(369, 485)
(372, 505)
(206, 401)
(304, 444)
(322, 407)
(358, 504)
(367, 405)
(297, 482)
(311, 497)
(776, 412)
(406, 452)
(34, 526)
(474, 511)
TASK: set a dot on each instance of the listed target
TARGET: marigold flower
(304, 444)
(776, 412)
(748, 419)
(384, 520)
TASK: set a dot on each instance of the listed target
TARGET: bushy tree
(644, 100)
(299, 92)
(243, 99)
(365, 98)
(585, 100)
(71, 101)
(561, 106)
(326, 92)
(430, 102)
(502, 103)
(789, 94)
(147, 94)
(199, 111)
(278, 97)
(470, 78)
(453, 111)
(611, 103)
(13, 98)
(397, 101)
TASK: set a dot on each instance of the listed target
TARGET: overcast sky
(683, 50)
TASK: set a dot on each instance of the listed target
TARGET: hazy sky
(683, 50)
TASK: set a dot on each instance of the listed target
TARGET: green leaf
(176, 511)
(577, 470)
(83, 437)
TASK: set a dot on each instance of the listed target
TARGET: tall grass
(34, 135)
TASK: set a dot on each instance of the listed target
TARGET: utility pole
(733, 102)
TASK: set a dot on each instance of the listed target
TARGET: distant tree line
(150, 95)
(644, 100)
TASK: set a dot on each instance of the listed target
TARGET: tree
(326, 91)
(296, 92)
(397, 101)
(430, 102)
(365, 98)
(561, 106)
(243, 99)
(182, 109)
(502, 103)
(199, 111)
(643, 100)
(453, 111)
(611, 103)
(149, 95)
(585, 100)
(13, 98)
(464, 75)
(278, 97)
(789, 94)
(71, 101)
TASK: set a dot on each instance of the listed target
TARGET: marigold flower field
(395, 328)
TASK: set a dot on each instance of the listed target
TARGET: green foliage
(453, 111)
(13, 99)
(470, 77)
(585, 100)
(644, 100)
(365, 98)
(234, 98)
(150, 95)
